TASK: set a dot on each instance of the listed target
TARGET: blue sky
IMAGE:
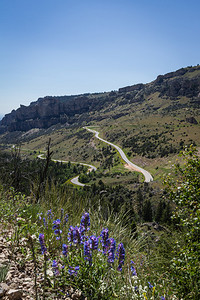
(64, 47)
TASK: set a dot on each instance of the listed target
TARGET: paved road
(147, 175)
(75, 179)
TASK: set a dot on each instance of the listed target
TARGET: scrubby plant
(93, 263)
(185, 193)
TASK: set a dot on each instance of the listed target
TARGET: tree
(185, 193)
(44, 171)
(147, 211)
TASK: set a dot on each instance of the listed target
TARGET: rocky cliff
(49, 111)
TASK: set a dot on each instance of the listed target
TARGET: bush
(185, 193)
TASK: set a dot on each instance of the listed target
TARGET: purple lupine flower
(133, 270)
(42, 243)
(74, 235)
(61, 213)
(111, 250)
(66, 217)
(57, 231)
(55, 268)
(73, 270)
(85, 222)
(162, 298)
(93, 240)
(77, 235)
(56, 228)
(65, 249)
(39, 216)
(105, 240)
(121, 256)
(56, 224)
(136, 289)
(87, 252)
(49, 214)
(45, 223)
(150, 285)
(71, 234)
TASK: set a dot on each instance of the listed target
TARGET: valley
(115, 157)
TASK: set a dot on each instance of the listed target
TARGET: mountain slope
(178, 90)
(148, 121)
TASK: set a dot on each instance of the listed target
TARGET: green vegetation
(185, 193)
(62, 227)
(157, 224)
(25, 174)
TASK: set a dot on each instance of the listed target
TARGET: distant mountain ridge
(78, 109)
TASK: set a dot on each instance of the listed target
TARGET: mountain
(45, 112)
(150, 122)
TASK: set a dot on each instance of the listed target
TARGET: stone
(3, 289)
(14, 294)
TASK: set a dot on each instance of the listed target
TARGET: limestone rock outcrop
(49, 110)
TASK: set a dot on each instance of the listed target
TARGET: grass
(98, 280)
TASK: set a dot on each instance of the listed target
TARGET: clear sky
(64, 47)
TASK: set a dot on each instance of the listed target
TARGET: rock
(3, 289)
(2, 256)
(14, 294)
(49, 111)
(8, 276)
(135, 87)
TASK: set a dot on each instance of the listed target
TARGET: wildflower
(71, 234)
(150, 285)
(136, 289)
(61, 213)
(39, 216)
(145, 296)
(49, 214)
(56, 228)
(74, 235)
(133, 270)
(66, 217)
(162, 298)
(55, 268)
(121, 256)
(56, 224)
(111, 250)
(93, 240)
(85, 222)
(65, 249)
(87, 252)
(42, 243)
(77, 235)
(73, 270)
(105, 240)
(57, 231)
(45, 223)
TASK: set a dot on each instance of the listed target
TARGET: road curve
(75, 179)
(147, 175)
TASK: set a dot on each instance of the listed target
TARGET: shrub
(185, 193)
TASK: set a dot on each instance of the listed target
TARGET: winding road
(147, 175)
(75, 179)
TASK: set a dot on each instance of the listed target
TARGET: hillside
(152, 250)
(177, 90)
(151, 122)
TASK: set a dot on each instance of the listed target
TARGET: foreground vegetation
(99, 244)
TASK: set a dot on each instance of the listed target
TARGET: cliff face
(49, 111)
(44, 113)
